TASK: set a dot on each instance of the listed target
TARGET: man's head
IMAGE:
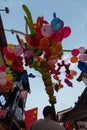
(47, 111)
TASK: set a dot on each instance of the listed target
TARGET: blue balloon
(82, 66)
(56, 23)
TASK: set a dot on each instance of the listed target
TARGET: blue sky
(74, 14)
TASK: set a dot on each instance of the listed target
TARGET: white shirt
(46, 124)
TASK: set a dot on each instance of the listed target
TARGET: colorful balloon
(56, 23)
(75, 52)
(9, 77)
(69, 83)
(82, 66)
(3, 81)
(74, 59)
(68, 75)
(44, 43)
(83, 57)
(81, 50)
(66, 31)
(73, 72)
(2, 75)
(8, 62)
(46, 30)
(2, 68)
(8, 70)
(7, 86)
(29, 20)
(10, 55)
(18, 50)
(57, 36)
(71, 77)
(5, 50)
(27, 53)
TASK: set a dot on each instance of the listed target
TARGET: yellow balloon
(8, 62)
(10, 46)
(9, 77)
(71, 77)
(56, 50)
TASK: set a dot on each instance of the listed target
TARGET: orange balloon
(44, 43)
(74, 59)
(73, 72)
(7, 86)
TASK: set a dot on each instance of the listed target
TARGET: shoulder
(36, 122)
(56, 125)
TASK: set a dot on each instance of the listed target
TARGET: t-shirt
(46, 124)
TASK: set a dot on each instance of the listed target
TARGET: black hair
(47, 110)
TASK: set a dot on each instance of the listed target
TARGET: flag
(30, 117)
(69, 125)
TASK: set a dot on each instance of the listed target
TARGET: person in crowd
(47, 123)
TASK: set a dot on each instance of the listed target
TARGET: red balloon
(57, 36)
(75, 52)
(66, 31)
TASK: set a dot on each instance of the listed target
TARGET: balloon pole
(54, 116)
(48, 86)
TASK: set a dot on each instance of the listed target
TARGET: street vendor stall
(12, 101)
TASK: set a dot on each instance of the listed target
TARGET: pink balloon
(83, 57)
(73, 72)
(3, 81)
(68, 75)
(27, 53)
(46, 30)
(66, 31)
(18, 50)
(2, 75)
(81, 49)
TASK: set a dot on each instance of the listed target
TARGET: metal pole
(54, 116)
(6, 9)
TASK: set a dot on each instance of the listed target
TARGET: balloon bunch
(42, 49)
(44, 38)
(6, 78)
(13, 58)
(80, 55)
